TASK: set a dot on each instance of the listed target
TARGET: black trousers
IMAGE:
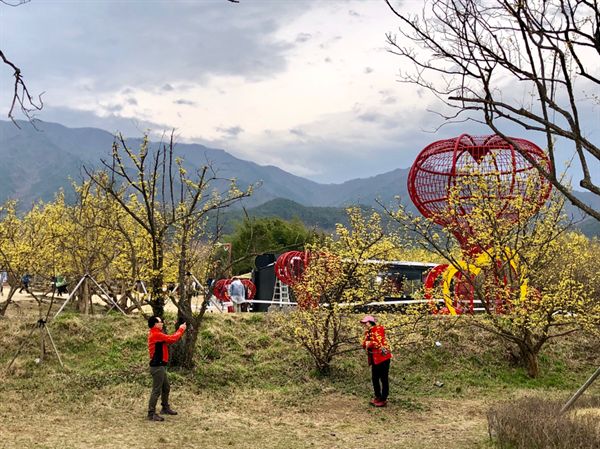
(380, 377)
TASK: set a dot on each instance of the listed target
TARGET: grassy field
(254, 389)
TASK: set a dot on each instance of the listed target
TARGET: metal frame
(88, 276)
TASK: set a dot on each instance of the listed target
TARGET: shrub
(536, 423)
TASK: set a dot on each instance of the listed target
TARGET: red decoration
(250, 288)
(290, 266)
(441, 165)
(434, 274)
(220, 289)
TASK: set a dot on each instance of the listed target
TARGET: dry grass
(533, 422)
(252, 389)
(114, 418)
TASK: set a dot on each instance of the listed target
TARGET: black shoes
(155, 417)
(168, 411)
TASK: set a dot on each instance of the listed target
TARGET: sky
(307, 86)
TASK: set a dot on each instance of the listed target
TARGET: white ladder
(281, 293)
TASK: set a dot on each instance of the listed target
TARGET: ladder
(281, 293)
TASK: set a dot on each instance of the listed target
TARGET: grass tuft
(533, 422)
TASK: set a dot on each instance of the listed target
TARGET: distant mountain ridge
(37, 162)
(34, 164)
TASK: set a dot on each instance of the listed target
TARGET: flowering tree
(27, 243)
(154, 189)
(337, 279)
(531, 276)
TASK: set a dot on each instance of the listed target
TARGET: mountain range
(36, 161)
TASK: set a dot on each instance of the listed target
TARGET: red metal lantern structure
(220, 289)
(250, 288)
(442, 166)
(290, 266)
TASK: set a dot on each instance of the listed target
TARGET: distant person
(379, 356)
(237, 293)
(61, 285)
(3, 280)
(159, 357)
(25, 280)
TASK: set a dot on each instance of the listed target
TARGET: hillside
(254, 388)
(37, 162)
(321, 218)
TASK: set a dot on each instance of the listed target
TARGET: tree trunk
(323, 367)
(529, 360)
(6, 303)
(183, 352)
(157, 301)
(84, 300)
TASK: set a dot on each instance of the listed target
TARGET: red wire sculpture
(222, 285)
(250, 288)
(441, 167)
(220, 289)
(290, 266)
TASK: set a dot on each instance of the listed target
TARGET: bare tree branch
(465, 51)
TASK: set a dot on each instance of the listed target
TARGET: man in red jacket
(379, 356)
(159, 357)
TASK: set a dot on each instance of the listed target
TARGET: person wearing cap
(158, 343)
(379, 356)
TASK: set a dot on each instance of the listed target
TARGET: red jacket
(378, 351)
(158, 345)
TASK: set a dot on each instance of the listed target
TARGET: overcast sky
(308, 86)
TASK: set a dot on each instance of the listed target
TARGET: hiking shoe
(155, 417)
(168, 411)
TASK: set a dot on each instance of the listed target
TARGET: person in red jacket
(379, 356)
(159, 357)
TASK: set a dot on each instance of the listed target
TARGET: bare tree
(530, 63)
(21, 96)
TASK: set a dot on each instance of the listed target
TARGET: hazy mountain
(35, 163)
(38, 161)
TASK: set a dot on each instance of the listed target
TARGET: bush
(536, 423)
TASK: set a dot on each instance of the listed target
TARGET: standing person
(158, 343)
(379, 356)
(3, 280)
(25, 280)
(237, 293)
(61, 285)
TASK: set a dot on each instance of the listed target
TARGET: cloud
(219, 40)
(303, 37)
(185, 102)
(297, 132)
(113, 108)
(110, 122)
(231, 132)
